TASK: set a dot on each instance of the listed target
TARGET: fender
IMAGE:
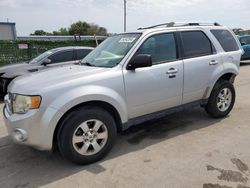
(72, 98)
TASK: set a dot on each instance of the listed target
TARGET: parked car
(128, 79)
(245, 43)
(48, 59)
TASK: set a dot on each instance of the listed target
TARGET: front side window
(195, 44)
(81, 53)
(62, 57)
(161, 47)
(39, 58)
(111, 51)
(226, 40)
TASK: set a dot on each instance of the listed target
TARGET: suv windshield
(40, 57)
(111, 51)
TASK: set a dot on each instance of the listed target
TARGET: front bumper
(30, 128)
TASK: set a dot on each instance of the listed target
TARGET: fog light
(20, 135)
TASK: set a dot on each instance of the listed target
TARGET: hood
(56, 77)
(14, 70)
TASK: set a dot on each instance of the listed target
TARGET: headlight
(22, 103)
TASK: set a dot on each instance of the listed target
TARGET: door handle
(172, 71)
(213, 62)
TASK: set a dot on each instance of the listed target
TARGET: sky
(50, 15)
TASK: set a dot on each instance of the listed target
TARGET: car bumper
(30, 128)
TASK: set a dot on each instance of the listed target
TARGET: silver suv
(130, 78)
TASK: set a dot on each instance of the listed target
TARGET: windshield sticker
(127, 39)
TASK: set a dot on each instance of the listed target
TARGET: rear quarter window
(226, 40)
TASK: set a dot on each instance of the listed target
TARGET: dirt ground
(184, 150)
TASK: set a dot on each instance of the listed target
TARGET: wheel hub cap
(90, 137)
(224, 99)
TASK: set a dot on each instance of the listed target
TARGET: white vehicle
(128, 79)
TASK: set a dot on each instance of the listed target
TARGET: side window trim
(180, 41)
(178, 55)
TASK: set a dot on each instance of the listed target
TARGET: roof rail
(180, 24)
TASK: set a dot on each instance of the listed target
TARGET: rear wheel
(221, 100)
(87, 135)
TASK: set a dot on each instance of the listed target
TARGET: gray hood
(57, 77)
(14, 70)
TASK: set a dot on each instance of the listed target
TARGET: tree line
(240, 31)
(78, 28)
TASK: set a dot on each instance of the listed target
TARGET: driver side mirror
(139, 61)
(46, 62)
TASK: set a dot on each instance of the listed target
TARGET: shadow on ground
(21, 166)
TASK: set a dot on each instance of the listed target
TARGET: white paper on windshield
(127, 39)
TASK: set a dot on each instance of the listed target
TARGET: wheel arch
(230, 76)
(96, 103)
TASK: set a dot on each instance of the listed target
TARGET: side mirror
(46, 62)
(139, 61)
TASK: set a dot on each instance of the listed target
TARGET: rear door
(200, 62)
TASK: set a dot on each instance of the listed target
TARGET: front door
(159, 87)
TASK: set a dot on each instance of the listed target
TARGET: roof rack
(180, 24)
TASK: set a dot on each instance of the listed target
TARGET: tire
(87, 135)
(221, 100)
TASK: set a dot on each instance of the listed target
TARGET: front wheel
(87, 135)
(221, 100)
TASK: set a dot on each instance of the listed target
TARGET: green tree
(96, 30)
(61, 31)
(40, 32)
(79, 28)
(237, 31)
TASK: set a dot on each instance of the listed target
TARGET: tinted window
(161, 48)
(62, 57)
(80, 54)
(195, 43)
(226, 40)
(245, 40)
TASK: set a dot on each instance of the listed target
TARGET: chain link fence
(21, 51)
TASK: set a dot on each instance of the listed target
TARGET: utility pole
(125, 15)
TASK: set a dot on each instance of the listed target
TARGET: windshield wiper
(88, 64)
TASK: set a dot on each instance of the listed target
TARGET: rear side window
(195, 43)
(81, 53)
(161, 47)
(62, 57)
(226, 40)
